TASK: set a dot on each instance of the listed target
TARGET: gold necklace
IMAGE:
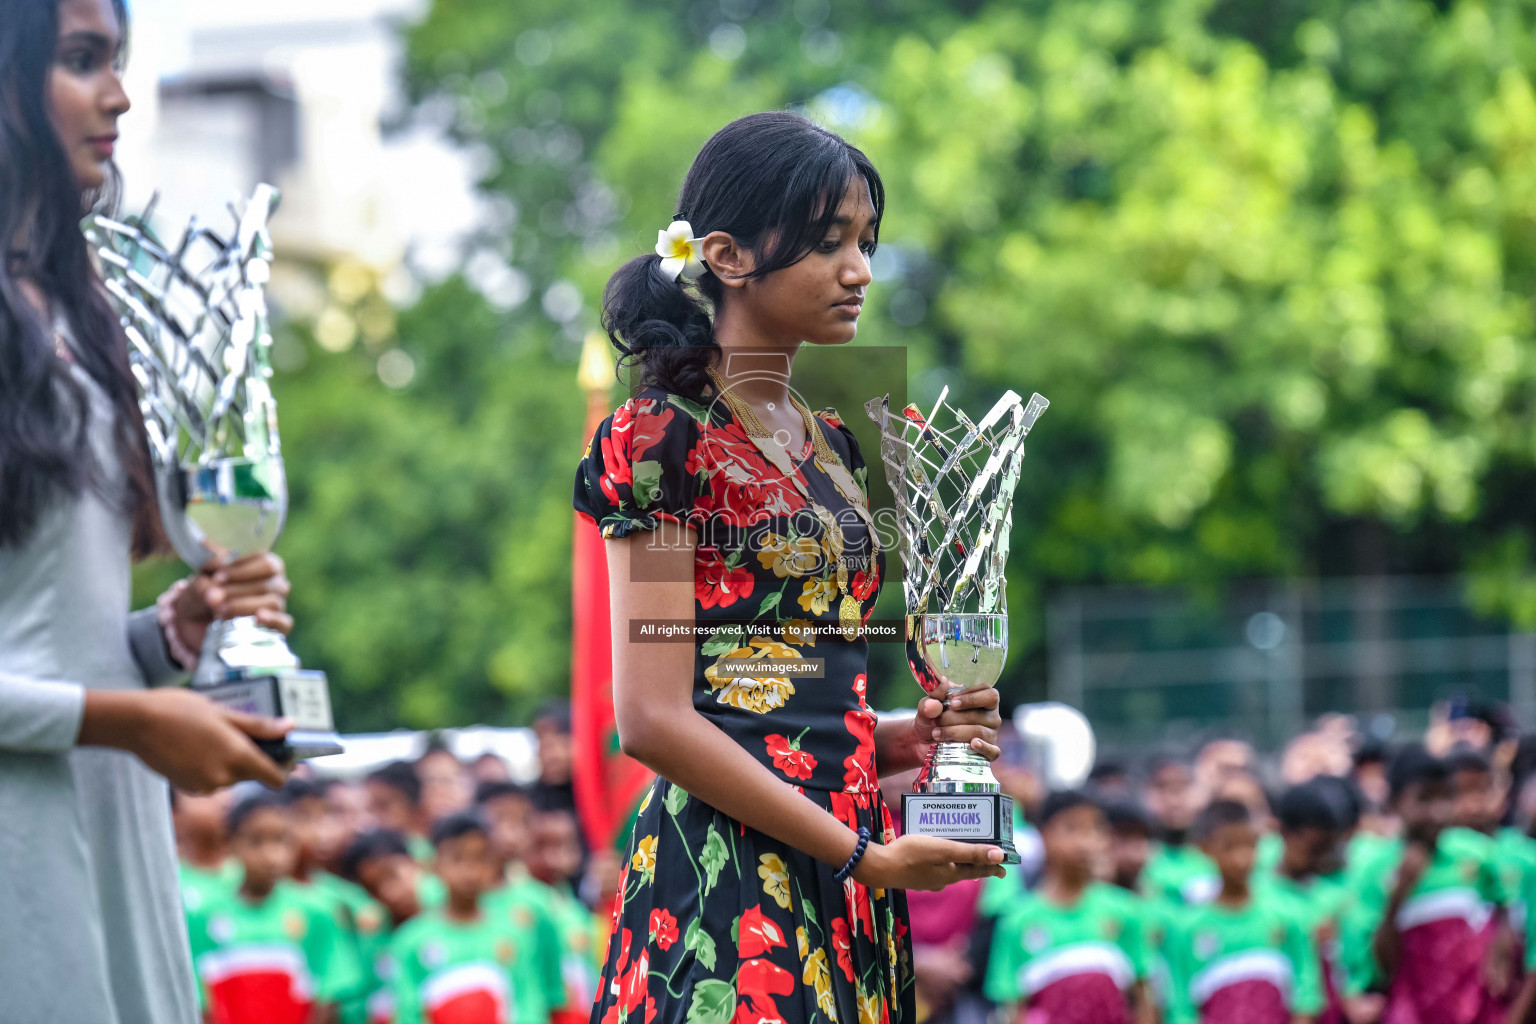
(848, 611)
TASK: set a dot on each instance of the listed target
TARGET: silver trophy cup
(954, 492)
(196, 319)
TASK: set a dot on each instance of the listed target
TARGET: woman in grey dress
(91, 930)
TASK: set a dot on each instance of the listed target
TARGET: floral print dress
(714, 922)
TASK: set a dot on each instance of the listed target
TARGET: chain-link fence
(1158, 668)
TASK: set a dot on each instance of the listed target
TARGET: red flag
(607, 784)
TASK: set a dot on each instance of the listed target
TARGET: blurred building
(302, 94)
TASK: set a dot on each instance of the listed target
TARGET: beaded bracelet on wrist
(858, 854)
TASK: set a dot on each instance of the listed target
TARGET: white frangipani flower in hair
(680, 252)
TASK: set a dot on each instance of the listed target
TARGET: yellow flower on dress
(758, 694)
(775, 878)
(816, 596)
(805, 947)
(816, 968)
(644, 860)
(818, 975)
(869, 1008)
(798, 631)
(786, 557)
(647, 801)
(772, 648)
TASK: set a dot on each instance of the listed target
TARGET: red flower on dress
(650, 427)
(663, 928)
(789, 758)
(745, 487)
(635, 981)
(831, 417)
(635, 429)
(756, 985)
(859, 907)
(630, 987)
(756, 934)
(845, 808)
(715, 585)
(859, 767)
(616, 469)
(694, 466)
(842, 941)
(750, 1013)
(863, 584)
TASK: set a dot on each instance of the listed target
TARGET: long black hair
(773, 182)
(44, 412)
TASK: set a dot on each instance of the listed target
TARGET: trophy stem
(953, 767)
(241, 644)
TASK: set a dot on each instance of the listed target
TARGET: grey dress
(91, 927)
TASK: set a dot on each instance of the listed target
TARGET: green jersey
(578, 946)
(1085, 955)
(1267, 857)
(526, 904)
(1515, 854)
(999, 892)
(448, 972)
(366, 926)
(269, 962)
(431, 891)
(1157, 917)
(1180, 874)
(1320, 902)
(1523, 918)
(1459, 889)
(1366, 846)
(198, 885)
(1251, 963)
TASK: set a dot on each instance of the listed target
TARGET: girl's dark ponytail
(655, 322)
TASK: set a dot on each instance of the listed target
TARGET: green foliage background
(1272, 264)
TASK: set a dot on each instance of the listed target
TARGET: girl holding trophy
(762, 879)
(92, 928)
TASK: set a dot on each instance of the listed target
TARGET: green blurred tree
(1271, 264)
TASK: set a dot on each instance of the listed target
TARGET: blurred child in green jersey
(1420, 932)
(1071, 951)
(1243, 957)
(265, 951)
(460, 964)
(202, 849)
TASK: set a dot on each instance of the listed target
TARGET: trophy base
(296, 694)
(985, 818)
(247, 667)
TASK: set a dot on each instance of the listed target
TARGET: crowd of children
(1391, 889)
(1380, 887)
(431, 892)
